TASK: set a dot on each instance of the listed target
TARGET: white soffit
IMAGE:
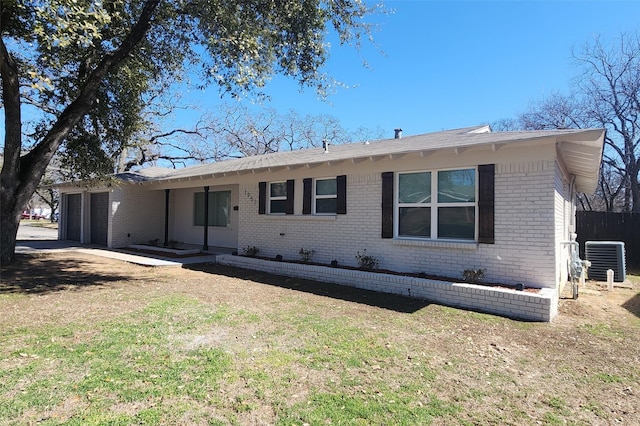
(582, 157)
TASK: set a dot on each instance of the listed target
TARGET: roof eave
(582, 156)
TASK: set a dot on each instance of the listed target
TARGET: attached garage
(73, 216)
(99, 217)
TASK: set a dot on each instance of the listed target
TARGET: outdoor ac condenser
(605, 255)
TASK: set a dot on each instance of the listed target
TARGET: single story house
(437, 203)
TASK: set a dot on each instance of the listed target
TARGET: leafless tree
(234, 131)
(605, 94)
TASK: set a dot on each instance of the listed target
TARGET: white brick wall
(564, 226)
(525, 233)
(137, 215)
(542, 306)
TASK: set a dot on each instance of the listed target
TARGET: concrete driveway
(28, 232)
(34, 239)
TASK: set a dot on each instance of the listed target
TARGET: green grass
(176, 358)
(603, 330)
(136, 362)
(139, 368)
(126, 360)
(362, 409)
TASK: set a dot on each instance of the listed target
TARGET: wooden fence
(603, 226)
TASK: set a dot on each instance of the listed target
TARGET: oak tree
(76, 73)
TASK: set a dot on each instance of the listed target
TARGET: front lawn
(88, 340)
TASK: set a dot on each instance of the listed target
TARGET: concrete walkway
(31, 240)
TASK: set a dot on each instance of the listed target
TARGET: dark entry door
(99, 217)
(74, 209)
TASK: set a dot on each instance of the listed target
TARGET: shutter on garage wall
(387, 205)
(262, 197)
(307, 188)
(341, 182)
(290, 189)
(486, 197)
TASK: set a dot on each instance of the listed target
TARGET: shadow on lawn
(36, 274)
(633, 305)
(351, 294)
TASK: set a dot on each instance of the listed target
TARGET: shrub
(473, 275)
(366, 261)
(250, 251)
(305, 255)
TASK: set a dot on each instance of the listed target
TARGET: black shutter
(290, 188)
(307, 187)
(341, 182)
(262, 197)
(387, 205)
(486, 197)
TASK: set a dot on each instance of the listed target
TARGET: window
(325, 196)
(414, 204)
(457, 204)
(438, 205)
(277, 197)
(219, 208)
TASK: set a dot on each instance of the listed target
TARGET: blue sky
(450, 64)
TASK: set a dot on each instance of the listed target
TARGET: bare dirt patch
(584, 367)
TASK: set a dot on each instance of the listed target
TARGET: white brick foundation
(542, 306)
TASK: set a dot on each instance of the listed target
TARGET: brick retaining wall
(542, 306)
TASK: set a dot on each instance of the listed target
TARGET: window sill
(460, 245)
(308, 217)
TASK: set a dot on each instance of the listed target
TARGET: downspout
(577, 267)
(572, 197)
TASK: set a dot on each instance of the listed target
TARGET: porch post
(205, 246)
(166, 217)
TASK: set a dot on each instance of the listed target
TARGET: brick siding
(525, 234)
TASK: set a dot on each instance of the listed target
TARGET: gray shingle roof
(589, 140)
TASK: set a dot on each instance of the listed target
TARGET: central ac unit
(605, 255)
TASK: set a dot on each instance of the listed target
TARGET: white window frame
(316, 197)
(398, 205)
(279, 198)
(434, 205)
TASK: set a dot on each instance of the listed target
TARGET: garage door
(74, 209)
(99, 217)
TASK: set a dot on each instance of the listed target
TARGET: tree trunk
(11, 173)
(634, 175)
(9, 222)
(21, 174)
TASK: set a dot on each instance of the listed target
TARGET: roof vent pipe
(325, 146)
(398, 133)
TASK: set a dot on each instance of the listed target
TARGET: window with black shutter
(324, 196)
(387, 205)
(449, 204)
(486, 207)
(262, 197)
(276, 197)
